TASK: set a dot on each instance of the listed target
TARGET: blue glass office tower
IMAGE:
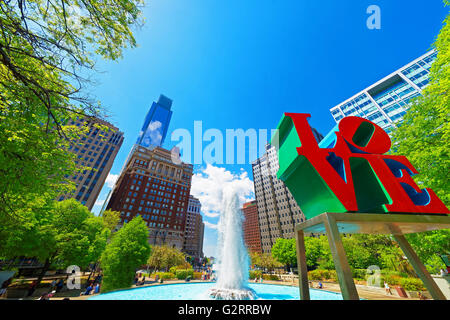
(156, 123)
(386, 102)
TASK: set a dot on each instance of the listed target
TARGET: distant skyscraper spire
(156, 124)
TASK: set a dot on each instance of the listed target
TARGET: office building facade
(155, 185)
(250, 227)
(195, 227)
(278, 212)
(386, 102)
(97, 150)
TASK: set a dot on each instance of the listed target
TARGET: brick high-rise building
(97, 150)
(155, 184)
(252, 236)
(194, 229)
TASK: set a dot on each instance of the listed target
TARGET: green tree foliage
(164, 258)
(254, 258)
(127, 251)
(284, 250)
(424, 135)
(67, 233)
(110, 219)
(429, 245)
(265, 261)
(47, 50)
(314, 251)
(362, 251)
(424, 138)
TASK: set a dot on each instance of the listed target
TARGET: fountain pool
(232, 270)
(200, 291)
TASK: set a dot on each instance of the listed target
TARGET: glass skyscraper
(156, 123)
(386, 102)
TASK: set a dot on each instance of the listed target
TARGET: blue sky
(241, 64)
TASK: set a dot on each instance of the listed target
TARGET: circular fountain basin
(200, 291)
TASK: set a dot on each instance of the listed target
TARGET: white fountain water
(233, 261)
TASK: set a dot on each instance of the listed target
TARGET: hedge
(393, 280)
(359, 273)
(182, 274)
(322, 274)
(197, 275)
(164, 275)
(412, 284)
(272, 277)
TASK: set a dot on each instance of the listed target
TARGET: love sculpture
(346, 183)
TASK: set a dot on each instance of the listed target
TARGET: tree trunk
(41, 276)
(44, 271)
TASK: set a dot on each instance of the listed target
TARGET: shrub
(255, 274)
(315, 274)
(359, 273)
(412, 284)
(165, 275)
(197, 275)
(182, 274)
(394, 273)
(322, 274)
(393, 280)
(272, 277)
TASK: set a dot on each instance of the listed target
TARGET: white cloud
(208, 186)
(154, 125)
(153, 134)
(210, 225)
(111, 180)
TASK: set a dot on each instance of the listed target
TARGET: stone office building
(96, 150)
(278, 212)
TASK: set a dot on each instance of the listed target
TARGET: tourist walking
(59, 285)
(387, 288)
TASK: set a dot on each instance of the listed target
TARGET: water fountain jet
(233, 264)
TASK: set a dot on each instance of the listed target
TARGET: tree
(66, 234)
(266, 261)
(424, 135)
(254, 258)
(127, 251)
(313, 251)
(164, 257)
(285, 251)
(110, 219)
(430, 245)
(62, 37)
(47, 51)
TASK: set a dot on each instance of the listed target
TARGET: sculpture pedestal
(332, 224)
